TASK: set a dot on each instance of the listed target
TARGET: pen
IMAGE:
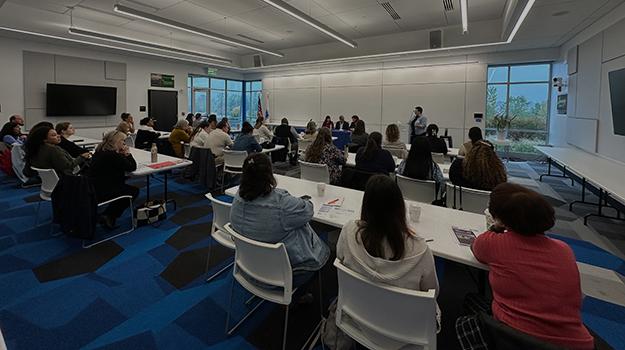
(333, 201)
(429, 240)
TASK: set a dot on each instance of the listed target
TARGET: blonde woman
(180, 134)
(261, 131)
(109, 165)
(392, 143)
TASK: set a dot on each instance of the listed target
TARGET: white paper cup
(321, 189)
(489, 219)
(415, 212)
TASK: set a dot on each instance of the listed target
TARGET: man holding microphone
(418, 123)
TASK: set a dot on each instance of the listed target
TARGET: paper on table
(465, 236)
(334, 212)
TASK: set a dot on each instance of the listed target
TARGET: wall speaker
(436, 39)
(258, 60)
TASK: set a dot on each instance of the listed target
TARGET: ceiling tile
(309, 7)
(229, 7)
(266, 17)
(335, 6)
(189, 13)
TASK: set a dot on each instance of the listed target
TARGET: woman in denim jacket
(262, 212)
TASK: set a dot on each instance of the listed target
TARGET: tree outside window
(521, 91)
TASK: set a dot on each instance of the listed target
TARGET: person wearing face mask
(65, 131)
(43, 151)
(110, 164)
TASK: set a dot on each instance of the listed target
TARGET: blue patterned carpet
(146, 290)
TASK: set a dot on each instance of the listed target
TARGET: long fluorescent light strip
(115, 47)
(518, 24)
(465, 16)
(130, 41)
(288, 9)
(190, 29)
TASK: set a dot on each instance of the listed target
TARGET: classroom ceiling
(549, 24)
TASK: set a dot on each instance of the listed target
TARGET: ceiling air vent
(448, 5)
(391, 11)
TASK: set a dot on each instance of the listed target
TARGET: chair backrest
(314, 172)
(416, 190)
(303, 144)
(467, 199)
(49, 179)
(262, 262)
(438, 158)
(130, 140)
(396, 152)
(221, 212)
(234, 159)
(187, 149)
(18, 156)
(383, 316)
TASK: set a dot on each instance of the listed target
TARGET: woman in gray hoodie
(381, 247)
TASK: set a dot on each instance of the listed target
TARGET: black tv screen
(617, 95)
(80, 100)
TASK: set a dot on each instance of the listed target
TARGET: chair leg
(286, 325)
(229, 306)
(208, 258)
(223, 269)
(37, 213)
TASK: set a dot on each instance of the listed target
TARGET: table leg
(165, 192)
(147, 188)
(603, 202)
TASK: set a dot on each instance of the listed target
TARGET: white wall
(589, 123)
(450, 89)
(557, 122)
(137, 80)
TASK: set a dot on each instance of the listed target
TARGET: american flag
(260, 109)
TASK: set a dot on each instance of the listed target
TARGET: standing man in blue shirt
(418, 123)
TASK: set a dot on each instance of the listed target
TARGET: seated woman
(437, 144)
(265, 213)
(11, 134)
(381, 246)
(475, 136)
(178, 136)
(246, 140)
(109, 165)
(419, 165)
(323, 151)
(199, 137)
(43, 151)
(261, 131)
(534, 278)
(65, 130)
(218, 140)
(373, 158)
(359, 136)
(481, 169)
(311, 131)
(392, 143)
(327, 123)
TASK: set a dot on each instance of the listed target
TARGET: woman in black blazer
(65, 130)
(109, 165)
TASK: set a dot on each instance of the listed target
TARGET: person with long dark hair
(65, 130)
(110, 164)
(534, 278)
(437, 144)
(359, 136)
(373, 158)
(381, 246)
(11, 134)
(268, 214)
(246, 140)
(481, 169)
(327, 123)
(43, 151)
(323, 151)
(420, 165)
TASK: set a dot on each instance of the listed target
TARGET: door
(163, 108)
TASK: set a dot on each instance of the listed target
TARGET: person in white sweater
(218, 140)
(199, 137)
(382, 247)
(261, 131)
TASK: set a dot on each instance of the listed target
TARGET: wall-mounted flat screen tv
(80, 100)
(617, 95)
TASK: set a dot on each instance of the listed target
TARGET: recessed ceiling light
(560, 13)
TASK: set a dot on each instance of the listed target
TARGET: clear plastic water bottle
(154, 153)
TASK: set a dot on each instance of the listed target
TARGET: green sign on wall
(162, 80)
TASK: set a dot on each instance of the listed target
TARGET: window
(521, 91)
(222, 97)
(252, 94)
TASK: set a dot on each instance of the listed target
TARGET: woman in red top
(327, 123)
(534, 279)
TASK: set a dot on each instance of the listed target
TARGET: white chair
(233, 163)
(49, 179)
(221, 216)
(268, 264)
(314, 172)
(3, 346)
(379, 316)
(303, 144)
(130, 140)
(89, 244)
(417, 190)
(187, 149)
(438, 158)
(467, 199)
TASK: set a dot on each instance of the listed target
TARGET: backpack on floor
(150, 213)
